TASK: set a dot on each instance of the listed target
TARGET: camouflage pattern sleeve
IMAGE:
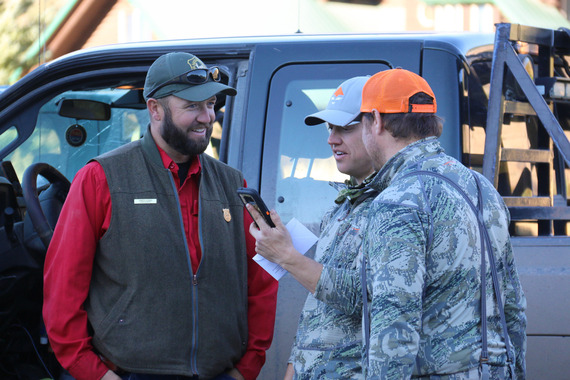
(515, 316)
(339, 284)
(293, 351)
(341, 289)
(514, 298)
(515, 307)
(396, 269)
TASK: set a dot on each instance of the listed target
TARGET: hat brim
(334, 117)
(204, 91)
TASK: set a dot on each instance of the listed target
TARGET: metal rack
(536, 99)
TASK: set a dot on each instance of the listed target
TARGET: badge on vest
(145, 201)
(227, 215)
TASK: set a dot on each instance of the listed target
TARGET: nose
(334, 138)
(206, 115)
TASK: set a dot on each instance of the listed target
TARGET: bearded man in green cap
(149, 274)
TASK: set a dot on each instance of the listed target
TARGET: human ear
(154, 109)
(377, 123)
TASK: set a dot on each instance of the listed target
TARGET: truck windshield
(67, 144)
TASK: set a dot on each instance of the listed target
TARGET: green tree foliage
(18, 30)
(21, 24)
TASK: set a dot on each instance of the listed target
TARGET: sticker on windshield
(76, 135)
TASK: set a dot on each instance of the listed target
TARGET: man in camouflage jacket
(423, 249)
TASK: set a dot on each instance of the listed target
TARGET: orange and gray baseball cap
(185, 76)
(343, 106)
(390, 91)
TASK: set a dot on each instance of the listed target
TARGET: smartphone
(251, 196)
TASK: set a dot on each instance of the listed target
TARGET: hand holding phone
(251, 196)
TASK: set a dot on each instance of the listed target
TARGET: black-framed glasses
(193, 77)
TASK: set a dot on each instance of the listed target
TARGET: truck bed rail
(529, 87)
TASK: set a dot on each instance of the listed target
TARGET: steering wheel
(31, 196)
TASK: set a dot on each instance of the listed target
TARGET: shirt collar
(352, 190)
(195, 165)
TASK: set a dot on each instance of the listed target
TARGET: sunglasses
(193, 77)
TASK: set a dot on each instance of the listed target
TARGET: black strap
(365, 309)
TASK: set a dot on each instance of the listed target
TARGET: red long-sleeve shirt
(69, 262)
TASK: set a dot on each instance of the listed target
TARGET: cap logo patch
(194, 63)
(338, 95)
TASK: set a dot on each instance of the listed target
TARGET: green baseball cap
(169, 66)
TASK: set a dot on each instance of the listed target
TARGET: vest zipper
(194, 290)
(193, 350)
(193, 354)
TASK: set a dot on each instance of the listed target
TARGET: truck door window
(67, 144)
(298, 163)
(8, 136)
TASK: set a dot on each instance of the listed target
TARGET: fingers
(276, 219)
(254, 231)
(257, 217)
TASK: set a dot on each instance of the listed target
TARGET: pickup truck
(504, 98)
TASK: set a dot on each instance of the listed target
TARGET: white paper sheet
(303, 240)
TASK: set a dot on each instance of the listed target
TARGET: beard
(178, 139)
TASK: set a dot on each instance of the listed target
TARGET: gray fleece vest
(148, 311)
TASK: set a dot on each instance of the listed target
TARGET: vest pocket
(115, 317)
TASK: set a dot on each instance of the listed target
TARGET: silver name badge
(145, 201)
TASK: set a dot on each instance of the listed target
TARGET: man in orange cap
(436, 230)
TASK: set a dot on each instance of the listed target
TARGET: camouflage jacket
(328, 343)
(423, 272)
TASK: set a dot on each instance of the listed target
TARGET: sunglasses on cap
(193, 77)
